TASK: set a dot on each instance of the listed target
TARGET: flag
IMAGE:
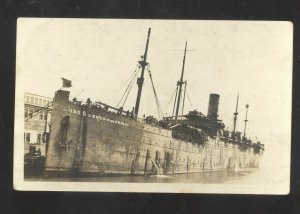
(66, 83)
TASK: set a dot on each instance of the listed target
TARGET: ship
(94, 138)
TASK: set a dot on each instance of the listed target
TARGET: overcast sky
(253, 59)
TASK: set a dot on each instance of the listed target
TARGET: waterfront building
(37, 113)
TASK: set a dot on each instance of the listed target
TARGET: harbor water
(201, 177)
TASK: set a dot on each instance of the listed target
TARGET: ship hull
(88, 140)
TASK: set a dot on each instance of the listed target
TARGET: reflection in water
(202, 177)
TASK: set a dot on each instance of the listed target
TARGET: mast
(235, 114)
(140, 80)
(247, 106)
(180, 83)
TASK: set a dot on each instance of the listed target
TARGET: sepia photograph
(175, 106)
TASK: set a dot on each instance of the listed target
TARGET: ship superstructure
(94, 137)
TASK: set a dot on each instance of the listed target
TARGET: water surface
(201, 177)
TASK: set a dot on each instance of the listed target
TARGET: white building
(37, 115)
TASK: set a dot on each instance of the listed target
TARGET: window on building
(40, 101)
(41, 115)
(36, 101)
(31, 99)
(26, 112)
(27, 137)
(27, 99)
(39, 138)
(44, 102)
(30, 112)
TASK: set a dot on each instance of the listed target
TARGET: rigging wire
(129, 86)
(127, 95)
(183, 101)
(170, 100)
(175, 100)
(159, 111)
(189, 99)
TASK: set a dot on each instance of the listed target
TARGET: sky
(249, 58)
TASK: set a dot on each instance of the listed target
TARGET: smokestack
(213, 106)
